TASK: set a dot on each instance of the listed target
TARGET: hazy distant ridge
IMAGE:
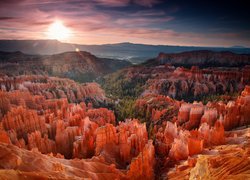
(133, 52)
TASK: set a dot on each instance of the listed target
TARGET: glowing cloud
(58, 31)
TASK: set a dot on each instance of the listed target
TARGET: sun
(58, 31)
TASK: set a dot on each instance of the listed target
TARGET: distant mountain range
(135, 53)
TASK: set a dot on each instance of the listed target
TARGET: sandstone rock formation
(53, 88)
(23, 121)
(178, 82)
(19, 163)
(229, 161)
(42, 128)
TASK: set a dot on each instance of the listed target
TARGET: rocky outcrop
(237, 112)
(204, 58)
(156, 108)
(43, 144)
(189, 84)
(53, 88)
(229, 161)
(65, 137)
(51, 125)
(40, 117)
(231, 114)
(84, 146)
(142, 167)
(119, 145)
(214, 135)
(23, 121)
(106, 137)
(4, 138)
(17, 163)
(195, 83)
(101, 116)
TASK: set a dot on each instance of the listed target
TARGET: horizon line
(124, 42)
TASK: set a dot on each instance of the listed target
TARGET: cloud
(4, 18)
(108, 21)
(120, 3)
(148, 3)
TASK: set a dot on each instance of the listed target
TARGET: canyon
(54, 127)
(178, 82)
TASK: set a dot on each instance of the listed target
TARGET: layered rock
(18, 163)
(101, 116)
(43, 144)
(195, 115)
(179, 83)
(53, 88)
(141, 167)
(229, 161)
(209, 116)
(4, 138)
(119, 145)
(65, 137)
(23, 121)
(106, 137)
(155, 108)
(84, 146)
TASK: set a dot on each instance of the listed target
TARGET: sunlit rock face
(19, 163)
(51, 125)
(59, 129)
(153, 107)
(198, 127)
(230, 161)
(209, 116)
(4, 138)
(23, 121)
(53, 88)
(44, 135)
(141, 167)
(121, 143)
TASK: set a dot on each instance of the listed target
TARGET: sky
(167, 22)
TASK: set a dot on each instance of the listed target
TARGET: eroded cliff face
(61, 131)
(194, 129)
(204, 58)
(18, 163)
(230, 161)
(195, 83)
(179, 83)
(42, 137)
(52, 88)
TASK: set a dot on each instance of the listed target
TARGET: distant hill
(135, 53)
(202, 58)
(241, 47)
(80, 66)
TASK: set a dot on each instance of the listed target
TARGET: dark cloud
(4, 18)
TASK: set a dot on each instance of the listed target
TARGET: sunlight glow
(58, 31)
